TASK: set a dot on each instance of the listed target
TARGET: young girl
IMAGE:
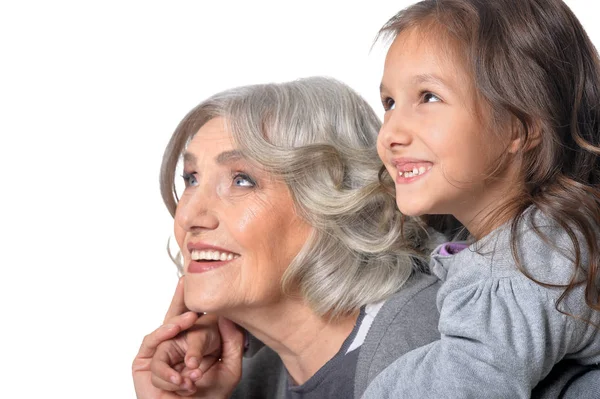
(493, 117)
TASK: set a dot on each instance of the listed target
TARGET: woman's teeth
(212, 255)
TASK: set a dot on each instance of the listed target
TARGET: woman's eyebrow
(188, 157)
(229, 156)
(222, 158)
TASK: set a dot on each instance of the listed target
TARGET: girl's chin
(408, 211)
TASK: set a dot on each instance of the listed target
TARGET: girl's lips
(406, 164)
(409, 170)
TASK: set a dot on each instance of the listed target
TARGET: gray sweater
(500, 331)
(406, 321)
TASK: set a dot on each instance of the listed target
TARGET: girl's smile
(409, 169)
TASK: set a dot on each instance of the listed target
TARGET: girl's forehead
(434, 39)
(426, 53)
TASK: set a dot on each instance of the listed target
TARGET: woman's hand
(216, 377)
(181, 358)
(141, 368)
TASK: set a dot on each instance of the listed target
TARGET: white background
(89, 95)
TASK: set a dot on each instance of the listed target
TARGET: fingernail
(168, 326)
(193, 363)
(174, 379)
(194, 375)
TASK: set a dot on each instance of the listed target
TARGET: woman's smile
(204, 257)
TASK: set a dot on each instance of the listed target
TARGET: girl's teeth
(415, 172)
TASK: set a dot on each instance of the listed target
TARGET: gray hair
(319, 137)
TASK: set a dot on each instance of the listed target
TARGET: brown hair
(535, 67)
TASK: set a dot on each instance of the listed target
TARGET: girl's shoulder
(486, 273)
(539, 250)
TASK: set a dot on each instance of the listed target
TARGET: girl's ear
(521, 141)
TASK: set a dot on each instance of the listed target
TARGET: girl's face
(433, 141)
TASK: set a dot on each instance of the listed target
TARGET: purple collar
(452, 248)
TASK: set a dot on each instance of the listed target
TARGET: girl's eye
(243, 180)
(429, 97)
(388, 103)
(189, 179)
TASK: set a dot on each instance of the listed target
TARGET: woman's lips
(204, 257)
(204, 266)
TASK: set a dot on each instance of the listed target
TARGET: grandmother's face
(236, 226)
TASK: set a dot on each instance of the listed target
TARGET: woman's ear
(521, 140)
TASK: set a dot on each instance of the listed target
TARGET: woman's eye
(429, 97)
(388, 103)
(189, 179)
(243, 180)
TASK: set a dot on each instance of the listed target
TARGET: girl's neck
(303, 340)
(486, 221)
(489, 213)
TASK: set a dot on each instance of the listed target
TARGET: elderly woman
(284, 229)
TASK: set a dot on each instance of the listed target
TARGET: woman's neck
(303, 340)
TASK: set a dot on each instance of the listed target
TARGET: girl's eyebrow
(423, 78)
(430, 78)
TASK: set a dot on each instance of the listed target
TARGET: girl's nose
(395, 131)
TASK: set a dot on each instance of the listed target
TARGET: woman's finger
(197, 373)
(233, 346)
(164, 366)
(203, 339)
(165, 332)
(184, 388)
(177, 305)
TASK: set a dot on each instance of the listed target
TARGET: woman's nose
(197, 210)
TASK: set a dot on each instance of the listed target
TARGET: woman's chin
(195, 307)
(199, 303)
